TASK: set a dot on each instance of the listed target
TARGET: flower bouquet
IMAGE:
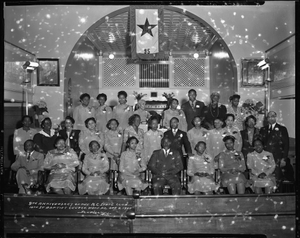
(169, 97)
(253, 109)
(138, 97)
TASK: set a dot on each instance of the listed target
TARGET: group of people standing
(198, 138)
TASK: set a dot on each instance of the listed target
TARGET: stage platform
(269, 215)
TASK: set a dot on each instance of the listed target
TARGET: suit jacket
(276, 142)
(247, 147)
(34, 164)
(74, 139)
(179, 140)
(164, 166)
(190, 113)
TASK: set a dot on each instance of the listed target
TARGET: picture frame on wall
(252, 75)
(48, 72)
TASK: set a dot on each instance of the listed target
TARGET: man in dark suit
(192, 108)
(276, 140)
(165, 165)
(178, 139)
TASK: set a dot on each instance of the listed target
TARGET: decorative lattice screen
(117, 73)
(189, 72)
(154, 75)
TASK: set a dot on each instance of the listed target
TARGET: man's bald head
(271, 117)
(272, 113)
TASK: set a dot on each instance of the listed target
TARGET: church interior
(247, 50)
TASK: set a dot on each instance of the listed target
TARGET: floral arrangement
(138, 96)
(266, 157)
(40, 107)
(237, 156)
(169, 97)
(253, 109)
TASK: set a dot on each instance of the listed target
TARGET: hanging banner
(146, 32)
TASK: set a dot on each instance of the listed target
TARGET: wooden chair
(184, 179)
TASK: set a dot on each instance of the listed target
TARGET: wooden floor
(269, 215)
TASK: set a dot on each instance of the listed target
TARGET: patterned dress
(113, 144)
(86, 136)
(130, 170)
(169, 114)
(95, 184)
(152, 141)
(196, 135)
(201, 164)
(229, 160)
(239, 115)
(102, 115)
(61, 177)
(262, 163)
(121, 113)
(20, 136)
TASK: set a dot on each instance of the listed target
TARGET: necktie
(68, 139)
(174, 132)
(270, 128)
(166, 153)
(193, 105)
(28, 157)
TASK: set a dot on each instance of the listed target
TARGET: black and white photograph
(150, 119)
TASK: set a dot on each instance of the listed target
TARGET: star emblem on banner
(147, 28)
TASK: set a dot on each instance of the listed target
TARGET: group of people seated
(199, 139)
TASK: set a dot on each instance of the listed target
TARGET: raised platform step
(269, 215)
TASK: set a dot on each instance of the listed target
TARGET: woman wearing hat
(232, 165)
(214, 110)
(237, 111)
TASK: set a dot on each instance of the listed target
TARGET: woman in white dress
(122, 111)
(262, 165)
(201, 168)
(95, 165)
(237, 111)
(232, 130)
(88, 134)
(103, 113)
(214, 139)
(133, 130)
(131, 166)
(61, 162)
(196, 134)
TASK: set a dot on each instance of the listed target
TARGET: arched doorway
(185, 34)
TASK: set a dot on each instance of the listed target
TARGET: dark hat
(234, 96)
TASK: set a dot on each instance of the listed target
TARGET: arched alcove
(184, 34)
